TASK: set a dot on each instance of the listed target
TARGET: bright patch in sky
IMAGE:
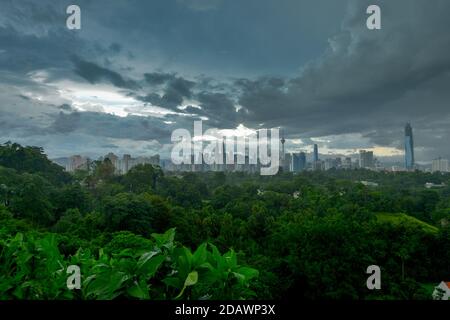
(106, 98)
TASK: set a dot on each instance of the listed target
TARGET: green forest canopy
(161, 235)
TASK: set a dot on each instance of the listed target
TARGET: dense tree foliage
(310, 235)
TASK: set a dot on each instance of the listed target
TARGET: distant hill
(63, 161)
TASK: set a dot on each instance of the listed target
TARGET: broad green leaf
(166, 239)
(191, 279)
(173, 282)
(151, 265)
(231, 259)
(145, 257)
(248, 272)
(139, 290)
(199, 256)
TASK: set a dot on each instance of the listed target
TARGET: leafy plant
(34, 269)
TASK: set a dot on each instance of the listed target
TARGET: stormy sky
(137, 70)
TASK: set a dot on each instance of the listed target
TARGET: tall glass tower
(409, 147)
(316, 153)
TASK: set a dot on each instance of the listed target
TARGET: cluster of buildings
(439, 165)
(250, 165)
(289, 162)
(296, 162)
(121, 165)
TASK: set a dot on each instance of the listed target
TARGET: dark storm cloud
(170, 100)
(310, 67)
(158, 78)
(181, 86)
(219, 108)
(110, 126)
(232, 37)
(216, 106)
(367, 81)
(95, 74)
(66, 107)
(33, 36)
(19, 126)
(175, 90)
(65, 123)
(25, 52)
(23, 97)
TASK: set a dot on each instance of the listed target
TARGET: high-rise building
(409, 147)
(298, 162)
(126, 163)
(287, 164)
(76, 162)
(347, 164)
(439, 165)
(332, 163)
(329, 164)
(366, 159)
(282, 147)
(316, 153)
(122, 166)
(284, 161)
(318, 165)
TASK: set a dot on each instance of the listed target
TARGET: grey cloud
(175, 90)
(110, 146)
(115, 48)
(200, 5)
(158, 78)
(219, 108)
(95, 74)
(65, 123)
(367, 81)
(170, 100)
(110, 126)
(181, 86)
(66, 107)
(23, 97)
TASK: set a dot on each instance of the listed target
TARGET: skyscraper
(126, 161)
(298, 162)
(409, 147)
(316, 153)
(287, 165)
(282, 147)
(283, 162)
(347, 163)
(366, 159)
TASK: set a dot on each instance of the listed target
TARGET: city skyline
(408, 148)
(288, 161)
